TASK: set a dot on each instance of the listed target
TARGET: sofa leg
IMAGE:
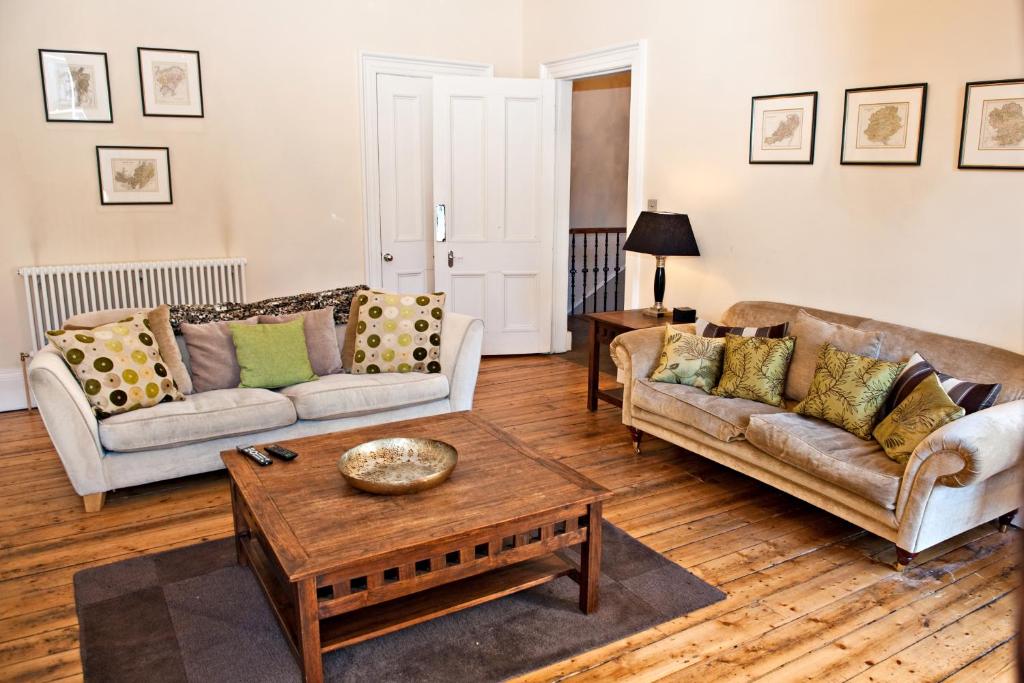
(94, 501)
(903, 558)
(635, 434)
(1004, 521)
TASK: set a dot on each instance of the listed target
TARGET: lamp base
(658, 310)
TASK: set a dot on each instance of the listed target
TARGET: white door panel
(494, 158)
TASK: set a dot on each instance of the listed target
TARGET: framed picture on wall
(171, 82)
(76, 87)
(134, 175)
(884, 125)
(782, 128)
(992, 133)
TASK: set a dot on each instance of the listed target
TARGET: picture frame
(76, 86)
(170, 82)
(884, 125)
(134, 175)
(992, 130)
(782, 128)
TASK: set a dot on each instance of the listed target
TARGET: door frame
(372, 64)
(632, 57)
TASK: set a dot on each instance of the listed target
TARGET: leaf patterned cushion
(398, 333)
(689, 359)
(849, 390)
(755, 368)
(924, 410)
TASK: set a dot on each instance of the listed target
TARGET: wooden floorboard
(810, 597)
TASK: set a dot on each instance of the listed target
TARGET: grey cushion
(725, 419)
(829, 453)
(207, 415)
(345, 395)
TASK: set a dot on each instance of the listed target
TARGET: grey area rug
(194, 615)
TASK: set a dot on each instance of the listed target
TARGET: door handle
(388, 258)
(451, 259)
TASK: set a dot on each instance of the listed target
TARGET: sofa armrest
(462, 338)
(70, 421)
(636, 355)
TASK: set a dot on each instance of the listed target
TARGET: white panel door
(494, 174)
(404, 142)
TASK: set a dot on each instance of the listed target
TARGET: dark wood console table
(603, 328)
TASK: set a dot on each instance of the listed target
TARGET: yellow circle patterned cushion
(398, 333)
(118, 365)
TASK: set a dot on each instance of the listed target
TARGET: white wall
(929, 246)
(272, 173)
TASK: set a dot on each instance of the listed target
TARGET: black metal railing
(598, 251)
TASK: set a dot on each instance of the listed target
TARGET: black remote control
(254, 454)
(281, 452)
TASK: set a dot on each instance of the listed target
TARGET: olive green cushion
(848, 390)
(118, 365)
(689, 359)
(755, 368)
(397, 333)
(924, 410)
(272, 356)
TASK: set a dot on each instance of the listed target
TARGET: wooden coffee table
(340, 566)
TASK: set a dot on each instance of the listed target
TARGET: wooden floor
(810, 597)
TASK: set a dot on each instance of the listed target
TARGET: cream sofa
(964, 474)
(186, 437)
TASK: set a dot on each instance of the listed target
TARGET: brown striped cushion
(971, 396)
(706, 329)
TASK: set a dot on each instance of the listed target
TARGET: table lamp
(661, 235)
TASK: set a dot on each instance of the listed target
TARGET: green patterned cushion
(118, 365)
(924, 410)
(689, 359)
(848, 390)
(272, 355)
(755, 368)
(398, 333)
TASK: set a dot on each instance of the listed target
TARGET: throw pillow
(211, 355)
(810, 334)
(971, 396)
(755, 368)
(272, 356)
(398, 333)
(689, 359)
(321, 340)
(118, 365)
(160, 323)
(706, 329)
(923, 411)
(348, 348)
(849, 390)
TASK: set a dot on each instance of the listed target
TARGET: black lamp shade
(662, 234)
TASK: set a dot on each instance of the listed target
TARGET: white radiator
(55, 293)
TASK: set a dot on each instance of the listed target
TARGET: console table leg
(593, 366)
(590, 560)
(309, 631)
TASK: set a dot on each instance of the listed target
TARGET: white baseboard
(12, 389)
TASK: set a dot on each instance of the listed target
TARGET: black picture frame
(813, 94)
(99, 176)
(199, 82)
(963, 126)
(46, 101)
(920, 132)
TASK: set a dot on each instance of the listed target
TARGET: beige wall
(600, 151)
(273, 172)
(928, 246)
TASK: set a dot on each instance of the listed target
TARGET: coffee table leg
(309, 631)
(590, 560)
(241, 527)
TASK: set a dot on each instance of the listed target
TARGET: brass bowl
(398, 465)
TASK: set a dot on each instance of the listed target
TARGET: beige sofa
(965, 474)
(186, 437)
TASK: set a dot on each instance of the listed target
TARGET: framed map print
(134, 175)
(76, 87)
(171, 82)
(992, 134)
(782, 128)
(885, 125)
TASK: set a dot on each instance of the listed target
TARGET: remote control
(254, 454)
(281, 452)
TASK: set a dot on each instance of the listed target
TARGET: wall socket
(652, 204)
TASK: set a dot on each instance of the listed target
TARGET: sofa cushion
(810, 334)
(202, 416)
(829, 453)
(336, 396)
(726, 419)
